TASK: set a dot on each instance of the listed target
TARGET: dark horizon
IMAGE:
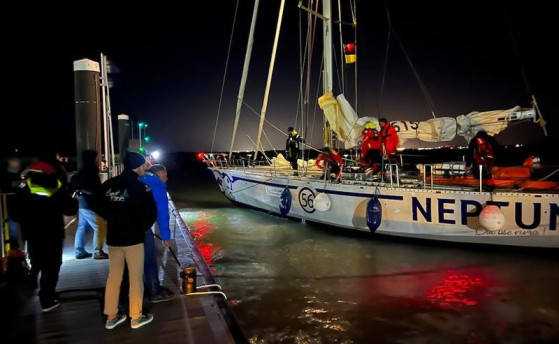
(469, 58)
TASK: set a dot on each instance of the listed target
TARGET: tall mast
(269, 81)
(328, 71)
(241, 95)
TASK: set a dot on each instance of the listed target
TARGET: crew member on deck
(292, 148)
(371, 147)
(481, 152)
(389, 138)
(331, 162)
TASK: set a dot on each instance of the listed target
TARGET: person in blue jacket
(156, 179)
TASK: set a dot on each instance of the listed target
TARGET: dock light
(155, 155)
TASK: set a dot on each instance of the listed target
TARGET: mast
(328, 71)
(241, 94)
(269, 81)
(327, 55)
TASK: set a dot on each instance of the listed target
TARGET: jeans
(151, 274)
(15, 240)
(87, 220)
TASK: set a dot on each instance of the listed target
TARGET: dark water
(295, 282)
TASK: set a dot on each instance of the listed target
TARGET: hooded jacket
(128, 207)
(159, 189)
(39, 204)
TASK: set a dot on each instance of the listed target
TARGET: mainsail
(348, 126)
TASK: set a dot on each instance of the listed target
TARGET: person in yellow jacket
(40, 203)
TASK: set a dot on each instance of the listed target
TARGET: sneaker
(114, 322)
(83, 255)
(100, 255)
(50, 306)
(166, 295)
(141, 321)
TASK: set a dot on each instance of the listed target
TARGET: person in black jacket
(40, 203)
(292, 148)
(129, 208)
(87, 182)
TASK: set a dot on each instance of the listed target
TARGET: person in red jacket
(371, 147)
(331, 160)
(389, 137)
(482, 151)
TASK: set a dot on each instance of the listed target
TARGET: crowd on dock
(124, 213)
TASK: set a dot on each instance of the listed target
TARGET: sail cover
(493, 122)
(348, 126)
(343, 119)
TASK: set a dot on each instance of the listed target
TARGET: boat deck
(507, 179)
(80, 319)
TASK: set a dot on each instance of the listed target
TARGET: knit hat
(133, 160)
(89, 155)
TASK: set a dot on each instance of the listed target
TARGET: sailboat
(436, 202)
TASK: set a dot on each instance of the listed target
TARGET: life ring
(285, 202)
(374, 214)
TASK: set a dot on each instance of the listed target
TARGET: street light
(140, 126)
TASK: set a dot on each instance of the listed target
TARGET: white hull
(531, 219)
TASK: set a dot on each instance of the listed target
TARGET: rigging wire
(517, 55)
(319, 82)
(225, 74)
(353, 6)
(420, 82)
(256, 113)
(385, 68)
(341, 45)
(539, 120)
(301, 101)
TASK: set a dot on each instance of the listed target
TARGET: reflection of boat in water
(428, 201)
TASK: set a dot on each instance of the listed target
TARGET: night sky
(172, 61)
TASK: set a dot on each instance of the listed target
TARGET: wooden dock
(79, 318)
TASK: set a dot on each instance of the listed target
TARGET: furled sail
(348, 126)
(343, 119)
(493, 122)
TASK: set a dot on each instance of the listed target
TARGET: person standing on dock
(129, 209)
(156, 179)
(86, 182)
(40, 203)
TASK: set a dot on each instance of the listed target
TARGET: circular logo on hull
(306, 200)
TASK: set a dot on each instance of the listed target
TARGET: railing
(425, 167)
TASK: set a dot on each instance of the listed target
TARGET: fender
(374, 213)
(285, 202)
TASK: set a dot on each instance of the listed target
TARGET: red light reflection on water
(200, 229)
(459, 289)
